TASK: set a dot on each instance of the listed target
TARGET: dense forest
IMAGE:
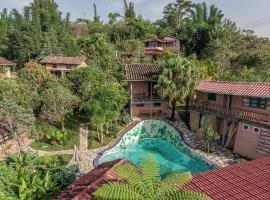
(206, 35)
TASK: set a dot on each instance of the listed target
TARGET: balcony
(145, 98)
(231, 113)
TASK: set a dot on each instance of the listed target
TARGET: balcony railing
(234, 113)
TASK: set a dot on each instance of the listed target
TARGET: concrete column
(225, 125)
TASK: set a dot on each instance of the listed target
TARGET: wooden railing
(143, 96)
(232, 112)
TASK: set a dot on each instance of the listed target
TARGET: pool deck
(221, 157)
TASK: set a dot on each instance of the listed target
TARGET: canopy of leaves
(33, 177)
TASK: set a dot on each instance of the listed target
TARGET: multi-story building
(8, 68)
(144, 99)
(155, 46)
(238, 111)
(60, 65)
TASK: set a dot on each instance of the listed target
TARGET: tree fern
(147, 184)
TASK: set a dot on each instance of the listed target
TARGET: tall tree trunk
(187, 109)
(98, 133)
(101, 132)
(107, 128)
(173, 110)
(63, 125)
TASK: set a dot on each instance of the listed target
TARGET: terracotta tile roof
(85, 186)
(259, 89)
(4, 61)
(247, 181)
(141, 71)
(72, 60)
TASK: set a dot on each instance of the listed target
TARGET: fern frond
(129, 173)
(178, 179)
(150, 168)
(187, 195)
(118, 191)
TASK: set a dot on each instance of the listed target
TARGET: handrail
(232, 112)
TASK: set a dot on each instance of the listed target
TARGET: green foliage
(20, 92)
(177, 80)
(209, 136)
(102, 98)
(99, 50)
(56, 137)
(57, 103)
(36, 75)
(32, 177)
(147, 184)
(126, 118)
(15, 119)
(40, 30)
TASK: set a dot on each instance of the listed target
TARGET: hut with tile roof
(144, 99)
(61, 65)
(238, 111)
(7, 68)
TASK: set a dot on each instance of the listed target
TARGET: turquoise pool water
(163, 142)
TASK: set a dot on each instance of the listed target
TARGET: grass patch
(71, 126)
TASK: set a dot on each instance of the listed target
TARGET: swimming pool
(163, 142)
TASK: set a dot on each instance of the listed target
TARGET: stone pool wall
(154, 129)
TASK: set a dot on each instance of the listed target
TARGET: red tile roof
(4, 61)
(258, 89)
(140, 72)
(247, 181)
(72, 60)
(85, 186)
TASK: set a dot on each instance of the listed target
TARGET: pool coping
(119, 137)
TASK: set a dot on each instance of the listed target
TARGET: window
(256, 102)
(68, 66)
(256, 130)
(245, 127)
(212, 96)
(157, 104)
(169, 44)
(54, 66)
(140, 105)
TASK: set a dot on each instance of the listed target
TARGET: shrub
(209, 136)
(56, 137)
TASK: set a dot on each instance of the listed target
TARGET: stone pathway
(221, 156)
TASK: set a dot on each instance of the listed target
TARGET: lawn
(72, 128)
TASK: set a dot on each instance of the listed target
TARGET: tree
(102, 98)
(177, 81)
(99, 50)
(147, 184)
(38, 31)
(209, 136)
(15, 119)
(37, 75)
(96, 17)
(129, 10)
(57, 102)
(22, 93)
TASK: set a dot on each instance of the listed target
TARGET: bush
(126, 118)
(209, 136)
(56, 137)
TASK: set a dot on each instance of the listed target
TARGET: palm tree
(200, 14)
(148, 185)
(177, 80)
(129, 10)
